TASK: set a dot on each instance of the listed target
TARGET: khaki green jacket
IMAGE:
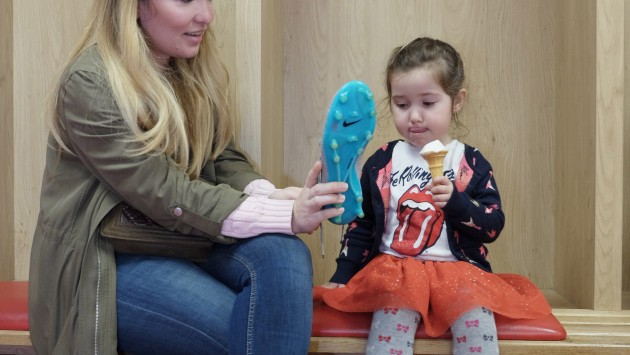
(72, 295)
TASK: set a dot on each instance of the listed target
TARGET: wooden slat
(588, 332)
(15, 338)
(572, 345)
(584, 337)
(16, 350)
(340, 345)
(577, 316)
(7, 254)
(609, 149)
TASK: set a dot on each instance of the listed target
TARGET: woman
(141, 115)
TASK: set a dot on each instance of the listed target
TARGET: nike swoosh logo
(348, 124)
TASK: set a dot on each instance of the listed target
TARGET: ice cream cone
(434, 153)
(436, 163)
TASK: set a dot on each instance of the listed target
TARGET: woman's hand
(442, 189)
(308, 211)
(288, 193)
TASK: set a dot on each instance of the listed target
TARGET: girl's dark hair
(424, 52)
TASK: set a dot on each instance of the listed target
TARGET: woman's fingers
(311, 178)
(309, 211)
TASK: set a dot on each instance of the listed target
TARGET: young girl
(418, 254)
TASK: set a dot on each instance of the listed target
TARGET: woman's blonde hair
(182, 111)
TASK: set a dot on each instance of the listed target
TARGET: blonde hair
(182, 111)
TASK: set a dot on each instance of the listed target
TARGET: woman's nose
(205, 12)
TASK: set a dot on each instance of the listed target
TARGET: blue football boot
(349, 127)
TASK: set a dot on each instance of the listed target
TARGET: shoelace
(321, 225)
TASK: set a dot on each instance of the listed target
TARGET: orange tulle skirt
(440, 291)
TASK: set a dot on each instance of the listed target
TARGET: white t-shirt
(414, 226)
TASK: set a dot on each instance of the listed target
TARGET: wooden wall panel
(609, 154)
(507, 48)
(272, 92)
(589, 153)
(543, 106)
(7, 240)
(250, 34)
(575, 151)
(626, 166)
(40, 47)
(247, 73)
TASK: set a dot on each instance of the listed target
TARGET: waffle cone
(436, 163)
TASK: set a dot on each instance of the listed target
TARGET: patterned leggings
(393, 332)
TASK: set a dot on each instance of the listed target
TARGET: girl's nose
(415, 115)
(205, 12)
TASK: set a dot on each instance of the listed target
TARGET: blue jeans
(252, 297)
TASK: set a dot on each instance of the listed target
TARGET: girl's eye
(428, 103)
(401, 105)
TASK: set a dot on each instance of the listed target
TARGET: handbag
(131, 232)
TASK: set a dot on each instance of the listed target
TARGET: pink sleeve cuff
(260, 187)
(258, 215)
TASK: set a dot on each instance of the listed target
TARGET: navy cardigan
(475, 198)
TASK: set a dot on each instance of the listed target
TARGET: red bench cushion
(326, 321)
(13, 305)
(329, 322)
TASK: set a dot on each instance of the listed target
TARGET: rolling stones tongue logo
(419, 222)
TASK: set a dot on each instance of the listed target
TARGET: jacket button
(177, 211)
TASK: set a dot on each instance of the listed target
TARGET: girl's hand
(332, 285)
(442, 189)
(308, 211)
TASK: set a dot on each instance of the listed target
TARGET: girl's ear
(458, 102)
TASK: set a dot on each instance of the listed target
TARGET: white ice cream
(433, 147)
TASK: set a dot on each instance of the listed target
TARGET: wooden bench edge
(569, 346)
(15, 338)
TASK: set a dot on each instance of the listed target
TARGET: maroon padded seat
(14, 305)
(329, 322)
